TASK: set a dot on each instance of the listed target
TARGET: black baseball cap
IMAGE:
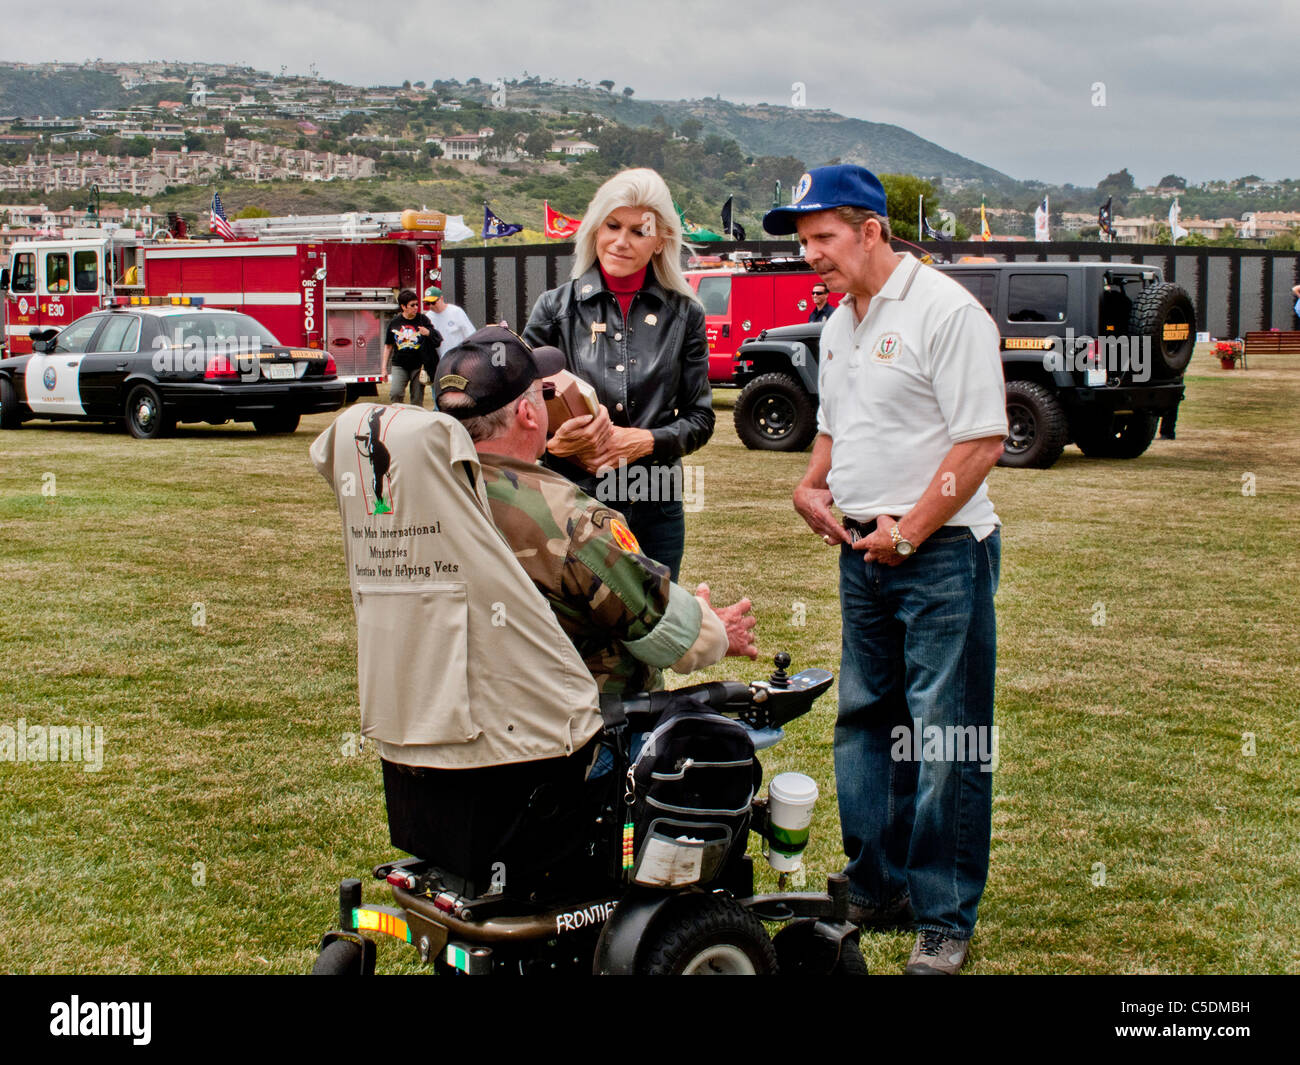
(493, 367)
(825, 188)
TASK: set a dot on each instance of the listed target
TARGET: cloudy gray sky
(1040, 90)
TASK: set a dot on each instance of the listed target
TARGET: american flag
(218, 223)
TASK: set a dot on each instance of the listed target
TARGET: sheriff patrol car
(154, 363)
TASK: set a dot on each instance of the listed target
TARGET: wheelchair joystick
(779, 677)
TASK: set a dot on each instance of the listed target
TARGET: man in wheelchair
(495, 602)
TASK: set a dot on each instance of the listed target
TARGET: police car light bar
(163, 301)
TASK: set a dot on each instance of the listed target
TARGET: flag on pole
(559, 226)
(495, 227)
(1175, 230)
(218, 223)
(928, 231)
(1106, 218)
(732, 229)
(1042, 222)
(985, 232)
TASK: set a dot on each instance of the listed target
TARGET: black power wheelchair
(664, 885)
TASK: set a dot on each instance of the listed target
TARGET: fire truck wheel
(146, 419)
(775, 413)
(276, 423)
(10, 416)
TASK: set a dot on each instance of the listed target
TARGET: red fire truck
(325, 281)
(744, 297)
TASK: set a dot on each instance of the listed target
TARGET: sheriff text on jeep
(1093, 354)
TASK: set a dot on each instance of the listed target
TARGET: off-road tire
(11, 417)
(707, 935)
(341, 957)
(1129, 436)
(146, 417)
(1157, 307)
(775, 413)
(1037, 427)
(268, 424)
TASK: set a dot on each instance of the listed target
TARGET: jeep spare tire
(1164, 314)
(775, 413)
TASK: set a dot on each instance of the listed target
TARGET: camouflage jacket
(621, 610)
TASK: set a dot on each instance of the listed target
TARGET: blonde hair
(640, 188)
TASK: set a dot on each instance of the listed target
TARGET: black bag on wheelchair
(690, 789)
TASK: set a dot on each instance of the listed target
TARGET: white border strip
(240, 250)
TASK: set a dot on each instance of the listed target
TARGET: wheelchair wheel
(341, 957)
(708, 935)
(801, 952)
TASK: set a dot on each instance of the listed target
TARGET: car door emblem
(50, 378)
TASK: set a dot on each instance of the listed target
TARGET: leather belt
(866, 528)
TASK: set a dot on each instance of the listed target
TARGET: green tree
(902, 192)
(1172, 181)
(233, 129)
(137, 147)
(627, 92)
(690, 128)
(1118, 185)
(538, 143)
(252, 211)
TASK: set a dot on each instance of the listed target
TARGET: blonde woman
(629, 324)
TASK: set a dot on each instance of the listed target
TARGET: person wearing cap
(630, 324)
(451, 322)
(911, 418)
(625, 616)
(408, 341)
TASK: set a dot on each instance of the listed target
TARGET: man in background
(822, 308)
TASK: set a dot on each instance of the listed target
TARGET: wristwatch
(901, 546)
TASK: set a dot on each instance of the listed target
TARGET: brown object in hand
(573, 398)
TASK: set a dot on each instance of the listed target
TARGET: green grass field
(1161, 744)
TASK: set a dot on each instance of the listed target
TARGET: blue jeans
(919, 650)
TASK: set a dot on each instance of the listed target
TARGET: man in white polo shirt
(911, 419)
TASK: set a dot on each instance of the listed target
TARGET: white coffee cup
(791, 798)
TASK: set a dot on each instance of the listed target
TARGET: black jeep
(1093, 353)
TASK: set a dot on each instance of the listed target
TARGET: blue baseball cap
(825, 188)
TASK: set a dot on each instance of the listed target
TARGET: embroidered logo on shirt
(887, 348)
(623, 537)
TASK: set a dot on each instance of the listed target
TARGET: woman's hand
(626, 444)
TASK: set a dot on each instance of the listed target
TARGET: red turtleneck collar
(624, 288)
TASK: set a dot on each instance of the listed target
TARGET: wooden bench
(1272, 343)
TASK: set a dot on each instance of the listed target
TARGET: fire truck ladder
(354, 225)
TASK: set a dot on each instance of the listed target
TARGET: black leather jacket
(651, 371)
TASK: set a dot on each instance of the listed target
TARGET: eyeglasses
(820, 292)
(548, 390)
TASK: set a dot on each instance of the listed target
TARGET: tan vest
(460, 660)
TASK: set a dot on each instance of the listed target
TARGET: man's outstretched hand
(740, 622)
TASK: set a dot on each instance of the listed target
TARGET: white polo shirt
(920, 373)
(453, 325)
